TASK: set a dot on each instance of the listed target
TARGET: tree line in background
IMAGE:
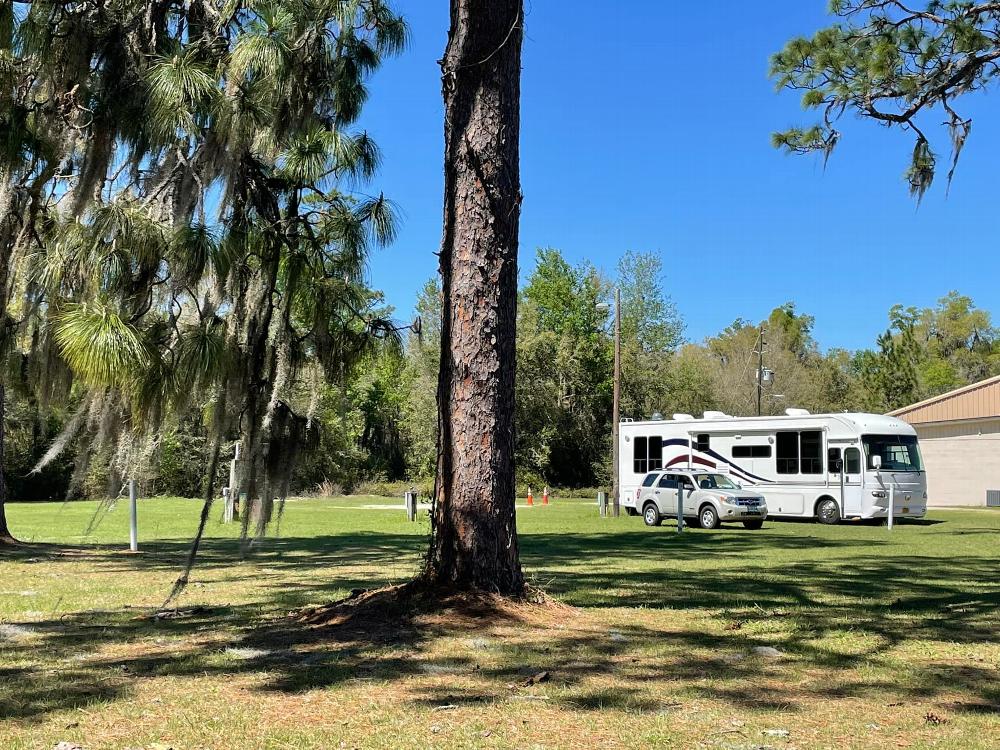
(182, 245)
(376, 425)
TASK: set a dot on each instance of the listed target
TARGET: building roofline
(945, 396)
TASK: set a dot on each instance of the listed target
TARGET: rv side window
(787, 444)
(852, 461)
(639, 463)
(655, 453)
(702, 443)
(833, 460)
(812, 452)
(751, 451)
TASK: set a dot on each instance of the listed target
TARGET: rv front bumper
(902, 510)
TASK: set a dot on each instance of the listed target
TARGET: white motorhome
(823, 466)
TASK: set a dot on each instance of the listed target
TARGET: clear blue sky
(646, 126)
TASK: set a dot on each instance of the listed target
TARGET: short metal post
(133, 531)
(411, 505)
(229, 508)
(892, 504)
(602, 503)
(680, 509)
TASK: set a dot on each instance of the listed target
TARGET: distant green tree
(960, 339)
(690, 382)
(564, 354)
(890, 375)
(652, 330)
(893, 62)
(793, 330)
(649, 316)
(423, 355)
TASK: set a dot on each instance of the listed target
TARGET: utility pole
(760, 369)
(604, 307)
(616, 502)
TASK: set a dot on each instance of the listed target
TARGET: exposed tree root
(381, 613)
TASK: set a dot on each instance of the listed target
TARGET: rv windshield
(898, 452)
(715, 482)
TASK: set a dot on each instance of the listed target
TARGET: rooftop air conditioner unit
(797, 412)
(715, 415)
(683, 418)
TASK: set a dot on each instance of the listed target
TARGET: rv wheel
(827, 511)
(651, 515)
(754, 525)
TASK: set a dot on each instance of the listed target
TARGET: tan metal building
(959, 436)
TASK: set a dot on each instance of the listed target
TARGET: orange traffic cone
(531, 500)
(545, 496)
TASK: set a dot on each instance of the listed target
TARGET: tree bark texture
(474, 541)
(7, 232)
(5, 535)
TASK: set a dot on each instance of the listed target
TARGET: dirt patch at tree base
(385, 614)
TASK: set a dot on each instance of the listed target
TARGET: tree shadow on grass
(880, 602)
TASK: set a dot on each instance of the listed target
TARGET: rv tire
(754, 525)
(827, 511)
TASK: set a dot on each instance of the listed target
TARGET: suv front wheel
(708, 518)
(651, 515)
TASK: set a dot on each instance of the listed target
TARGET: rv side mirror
(877, 462)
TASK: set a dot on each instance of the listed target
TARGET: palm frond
(100, 346)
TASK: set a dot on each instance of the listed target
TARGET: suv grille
(749, 501)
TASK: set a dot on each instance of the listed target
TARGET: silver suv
(710, 498)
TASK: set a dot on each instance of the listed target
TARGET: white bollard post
(602, 503)
(680, 509)
(411, 505)
(229, 508)
(892, 503)
(133, 535)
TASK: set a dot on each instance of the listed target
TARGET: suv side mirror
(877, 462)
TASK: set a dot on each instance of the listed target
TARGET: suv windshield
(898, 452)
(715, 482)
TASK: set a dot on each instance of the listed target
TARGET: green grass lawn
(795, 636)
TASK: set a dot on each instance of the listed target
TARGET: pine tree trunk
(474, 542)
